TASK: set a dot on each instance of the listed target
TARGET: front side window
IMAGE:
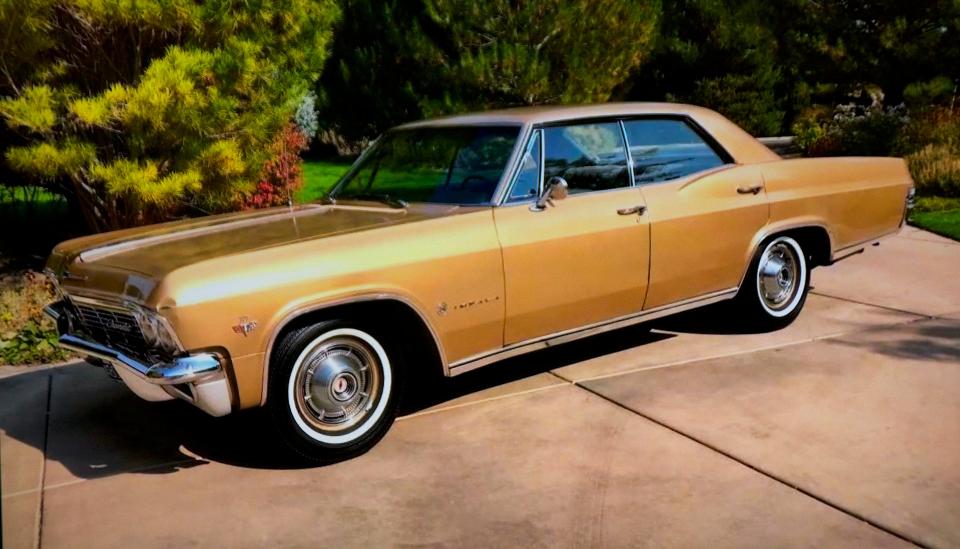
(591, 157)
(663, 150)
(447, 165)
(527, 183)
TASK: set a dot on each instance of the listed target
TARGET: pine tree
(395, 60)
(720, 54)
(137, 111)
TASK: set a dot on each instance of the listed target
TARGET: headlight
(156, 331)
(149, 328)
(167, 341)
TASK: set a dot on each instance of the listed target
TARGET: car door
(582, 259)
(704, 210)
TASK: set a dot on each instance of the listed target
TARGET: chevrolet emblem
(245, 327)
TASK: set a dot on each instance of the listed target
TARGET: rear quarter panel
(856, 199)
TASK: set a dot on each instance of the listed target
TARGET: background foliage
(397, 60)
(145, 111)
(137, 111)
(769, 66)
(718, 53)
(26, 335)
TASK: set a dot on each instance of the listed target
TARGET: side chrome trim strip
(381, 296)
(566, 336)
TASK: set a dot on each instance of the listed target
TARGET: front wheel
(775, 288)
(333, 390)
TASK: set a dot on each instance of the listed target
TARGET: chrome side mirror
(555, 189)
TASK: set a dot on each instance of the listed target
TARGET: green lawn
(33, 220)
(23, 196)
(945, 223)
(413, 184)
(938, 215)
(318, 176)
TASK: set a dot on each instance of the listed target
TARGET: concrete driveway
(841, 430)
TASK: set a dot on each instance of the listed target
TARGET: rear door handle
(754, 189)
(632, 210)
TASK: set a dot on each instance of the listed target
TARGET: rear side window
(663, 150)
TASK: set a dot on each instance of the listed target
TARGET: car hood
(131, 262)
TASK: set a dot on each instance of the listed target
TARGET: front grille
(112, 328)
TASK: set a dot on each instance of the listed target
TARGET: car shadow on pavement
(720, 319)
(438, 389)
(247, 439)
(95, 427)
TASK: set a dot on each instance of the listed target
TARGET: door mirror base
(555, 189)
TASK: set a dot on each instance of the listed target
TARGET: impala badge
(443, 308)
(245, 327)
(118, 326)
(475, 302)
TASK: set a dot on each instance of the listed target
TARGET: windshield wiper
(379, 197)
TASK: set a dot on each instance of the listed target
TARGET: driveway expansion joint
(478, 401)
(858, 302)
(683, 362)
(38, 540)
(825, 501)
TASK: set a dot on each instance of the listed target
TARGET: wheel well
(407, 329)
(815, 241)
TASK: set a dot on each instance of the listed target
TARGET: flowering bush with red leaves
(282, 175)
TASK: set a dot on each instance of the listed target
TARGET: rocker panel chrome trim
(566, 336)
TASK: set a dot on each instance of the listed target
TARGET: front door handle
(632, 210)
(754, 189)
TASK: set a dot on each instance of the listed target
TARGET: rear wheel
(333, 390)
(775, 289)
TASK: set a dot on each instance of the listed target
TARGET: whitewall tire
(775, 288)
(334, 389)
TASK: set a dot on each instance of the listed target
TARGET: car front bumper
(198, 378)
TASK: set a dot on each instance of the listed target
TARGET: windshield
(446, 165)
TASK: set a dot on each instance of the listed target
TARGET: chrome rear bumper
(197, 378)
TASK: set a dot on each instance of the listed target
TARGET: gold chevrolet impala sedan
(454, 243)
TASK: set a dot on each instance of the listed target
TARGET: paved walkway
(841, 430)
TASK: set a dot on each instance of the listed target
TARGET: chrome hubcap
(778, 275)
(338, 384)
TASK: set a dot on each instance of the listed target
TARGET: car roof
(558, 113)
(740, 145)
